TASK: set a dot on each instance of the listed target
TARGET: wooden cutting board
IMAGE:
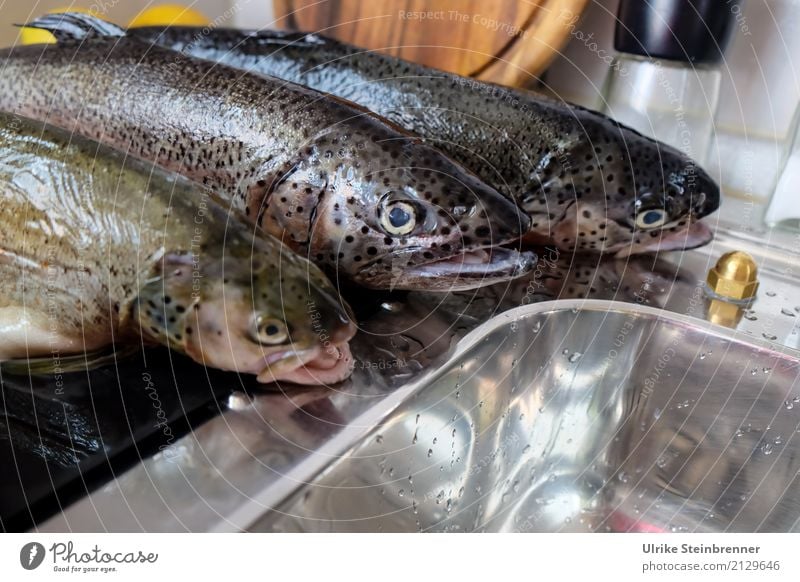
(506, 41)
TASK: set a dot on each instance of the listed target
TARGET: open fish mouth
(476, 268)
(319, 365)
(696, 235)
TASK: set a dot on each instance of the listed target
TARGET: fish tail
(75, 26)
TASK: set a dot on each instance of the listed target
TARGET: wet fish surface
(99, 248)
(341, 186)
(587, 182)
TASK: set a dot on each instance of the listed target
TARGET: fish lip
(303, 359)
(483, 263)
(696, 235)
(288, 352)
(285, 361)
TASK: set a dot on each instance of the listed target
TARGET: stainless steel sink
(575, 416)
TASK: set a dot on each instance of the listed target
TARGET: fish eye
(653, 218)
(398, 217)
(269, 331)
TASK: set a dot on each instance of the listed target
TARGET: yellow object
(734, 277)
(37, 36)
(169, 15)
(725, 313)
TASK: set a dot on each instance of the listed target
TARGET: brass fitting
(734, 277)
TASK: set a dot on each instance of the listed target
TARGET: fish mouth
(318, 365)
(474, 268)
(696, 235)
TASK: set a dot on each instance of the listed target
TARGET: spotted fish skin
(333, 181)
(586, 181)
(97, 247)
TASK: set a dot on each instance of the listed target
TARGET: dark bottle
(665, 82)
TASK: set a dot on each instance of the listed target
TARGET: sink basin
(577, 416)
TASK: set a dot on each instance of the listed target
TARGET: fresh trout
(98, 248)
(339, 185)
(587, 182)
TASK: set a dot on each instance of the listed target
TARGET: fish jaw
(695, 235)
(315, 366)
(462, 272)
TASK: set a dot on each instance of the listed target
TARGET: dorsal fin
(75, 26)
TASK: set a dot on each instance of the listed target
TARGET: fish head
(261, 312)
(609, 189)
(393, 213)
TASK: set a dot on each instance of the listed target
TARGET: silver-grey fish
(97, 248)
(587, 182)
(339, 185)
